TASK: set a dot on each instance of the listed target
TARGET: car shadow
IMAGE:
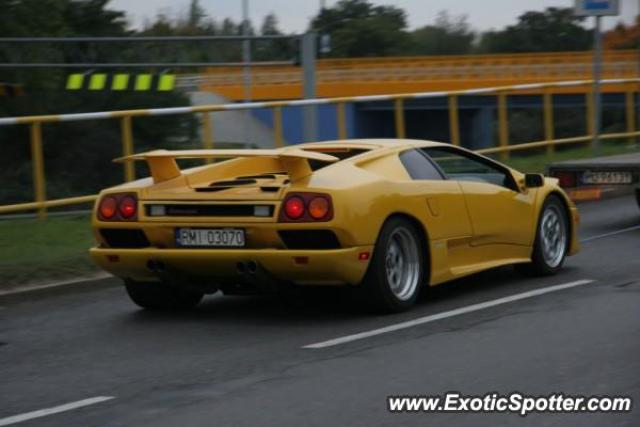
(335, 305)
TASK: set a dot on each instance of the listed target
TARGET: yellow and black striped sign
(121, 82)
(11, 89)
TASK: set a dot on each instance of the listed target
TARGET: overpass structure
(374, 76)
(431, 118)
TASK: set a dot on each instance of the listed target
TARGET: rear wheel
(396, 272)
(552, 239)
(160, 296)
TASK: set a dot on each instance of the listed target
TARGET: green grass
(33, 251)
(537, 163)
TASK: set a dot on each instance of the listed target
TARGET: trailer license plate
(611, 177)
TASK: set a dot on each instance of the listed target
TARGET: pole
(597, 71)
(503, 124)
(246, 58)
(277, 127)
(398, 113)
(309, 85)
(454, 125)
(207, 132)
(126, 133)
(39, 183)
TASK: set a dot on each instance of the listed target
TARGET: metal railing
(41, 204)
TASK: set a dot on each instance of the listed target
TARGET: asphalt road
(241, 360)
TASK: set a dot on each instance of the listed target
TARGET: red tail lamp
(566, 179)
(108, 207)
(306, 207)
(128, 207)
(294, 208)
(118, 207)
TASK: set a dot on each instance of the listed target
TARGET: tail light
(128, 207)
(294, 208)
(566, 179)
(118, 207)
(306, 207)
(318, 208)
(108, 207)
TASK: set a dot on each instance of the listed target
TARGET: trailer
(597, 178)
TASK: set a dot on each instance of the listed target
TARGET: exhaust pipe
(241, 267)
(252, 267)
(155, 266)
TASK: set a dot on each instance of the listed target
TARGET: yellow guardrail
(369, 76)
(41, 204)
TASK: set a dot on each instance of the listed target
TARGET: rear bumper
(322, 267)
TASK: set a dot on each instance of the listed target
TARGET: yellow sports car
(383, 216)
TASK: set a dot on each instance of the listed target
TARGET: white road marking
(55, 410)
(29, 288)
(613, 233)
(447, 314)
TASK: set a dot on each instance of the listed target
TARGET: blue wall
(424, 118)
(292, 122)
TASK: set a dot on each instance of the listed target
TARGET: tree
(196, 14)
(448, 36)
(553, 30)
(273, 50)
(76, 154)
(269, 25)
(358, 28)
(623, 36)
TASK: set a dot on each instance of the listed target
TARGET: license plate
(607, 177)
(210, 237)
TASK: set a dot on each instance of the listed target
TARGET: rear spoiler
(163, 166)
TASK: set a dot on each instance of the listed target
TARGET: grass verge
(34, 251)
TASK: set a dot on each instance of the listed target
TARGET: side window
(419, 166)
(464, 166)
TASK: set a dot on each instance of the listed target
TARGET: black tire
(540, 264)
(376, 288)
(159, 296)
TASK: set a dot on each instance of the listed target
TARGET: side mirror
(533, 180)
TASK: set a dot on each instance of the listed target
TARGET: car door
(444, 214)
(447, 216)
(500, 213)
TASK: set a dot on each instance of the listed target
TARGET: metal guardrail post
(39, 183)
(127, 148)
(503, 124)
(399, 118)
(309, 112)
(207, 133)
(591, 126)
(630, 113)
(549, 132)
(277, 127)
(342, 120)
(454, 125)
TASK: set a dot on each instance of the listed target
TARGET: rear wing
(163, 166)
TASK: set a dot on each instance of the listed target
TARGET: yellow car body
(466, 225)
